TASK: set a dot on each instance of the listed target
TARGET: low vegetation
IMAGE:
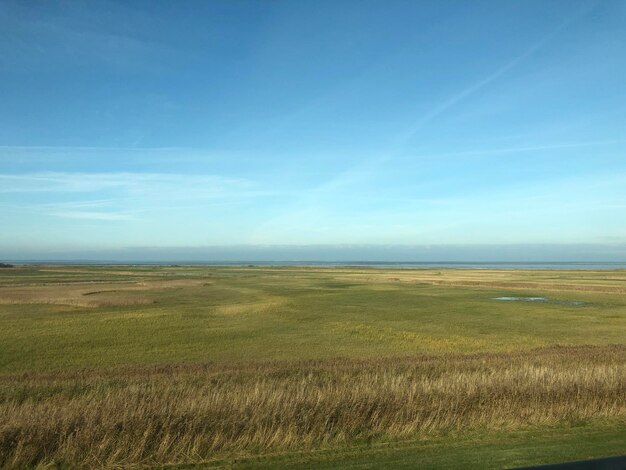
(135, 367)
(182, 414)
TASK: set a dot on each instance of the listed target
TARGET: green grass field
(320, 367)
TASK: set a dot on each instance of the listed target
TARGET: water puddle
(522, 299)
(544, 300)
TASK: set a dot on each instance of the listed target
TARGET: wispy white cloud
(113, 35)
(119, 196)
(472, 89)
(92, 215)
(90, 148)
(92, 204)
(99, 209)
(161, 184)
(526, 148)
(312, 208)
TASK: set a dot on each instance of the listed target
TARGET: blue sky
(231, 123)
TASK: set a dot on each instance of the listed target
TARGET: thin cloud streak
(208, 185)
(364, 171)
(91, 215)
(89, 148)
(105, 210)
(471, 90)
(530, 148)
(132, 193)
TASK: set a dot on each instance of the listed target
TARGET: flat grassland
(190, 367)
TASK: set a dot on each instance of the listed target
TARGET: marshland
(119, 366)
(312, 234)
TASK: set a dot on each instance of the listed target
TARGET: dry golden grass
(189, 413)
(611, 282)
(91, 294)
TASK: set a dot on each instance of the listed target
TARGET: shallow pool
(522, 299)
(541, 300)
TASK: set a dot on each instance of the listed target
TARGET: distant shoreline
(553, 265)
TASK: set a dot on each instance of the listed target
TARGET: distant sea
(572, 265)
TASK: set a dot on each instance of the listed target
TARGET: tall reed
(188, 413)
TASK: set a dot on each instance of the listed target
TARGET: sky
(180, 125)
